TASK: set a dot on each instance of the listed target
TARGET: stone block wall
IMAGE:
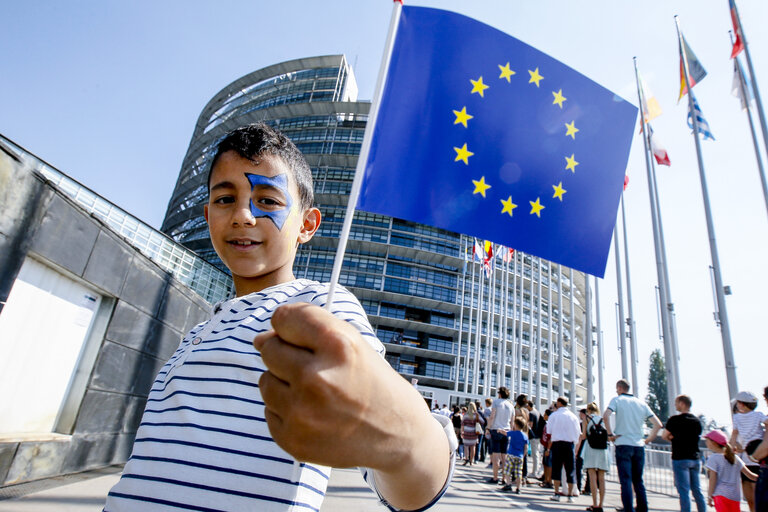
(151, 311)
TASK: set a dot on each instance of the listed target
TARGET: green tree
(657, 386)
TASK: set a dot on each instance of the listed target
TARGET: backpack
(597, 436)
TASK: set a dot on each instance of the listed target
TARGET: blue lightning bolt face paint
(279, 182)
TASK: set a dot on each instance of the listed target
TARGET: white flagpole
(550, 357)
(501, 372)
(574, 345)
(755, 89)
(588, 337)
(489, 329)
(600, 362)
(722, 314)
(478, 331)
(666, 306)
(461, 320)
(746, 106)
(469, 324)
(620, 290)
(560, 334)
(362, 160)
(516, 359)
(531, 353)
(537, 396)
(631, 317)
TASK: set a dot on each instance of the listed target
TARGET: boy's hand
(332, 400)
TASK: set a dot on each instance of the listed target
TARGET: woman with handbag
(471, 429)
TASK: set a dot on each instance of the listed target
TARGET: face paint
(279, 182)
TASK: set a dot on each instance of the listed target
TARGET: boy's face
(255, 220)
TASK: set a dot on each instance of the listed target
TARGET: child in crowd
(747, 434)
(724, 469)
(517, 446)
(273, 377)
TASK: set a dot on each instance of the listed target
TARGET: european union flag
(480, 133)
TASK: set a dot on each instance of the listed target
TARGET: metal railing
(206, 280)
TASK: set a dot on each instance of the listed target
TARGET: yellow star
(571, 127)
(508, 206)
(572, 163)
(535, 77)
(559, 191)
(463, 154)
(559, 98)
(536, 207)
(506, 72)
(480, 186)
(478, 86)
(462, 116)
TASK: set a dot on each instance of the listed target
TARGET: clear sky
(109, 93)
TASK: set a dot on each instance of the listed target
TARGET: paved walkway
(86, 492)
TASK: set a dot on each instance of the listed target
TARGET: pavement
(86, 492)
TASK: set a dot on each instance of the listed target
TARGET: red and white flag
(659, 153)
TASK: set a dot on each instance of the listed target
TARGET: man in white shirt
(565, 429)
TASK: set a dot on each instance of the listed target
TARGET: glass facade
(421, 296)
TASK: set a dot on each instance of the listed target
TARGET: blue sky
(109, 92)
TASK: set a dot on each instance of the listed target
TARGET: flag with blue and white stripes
(702, 123)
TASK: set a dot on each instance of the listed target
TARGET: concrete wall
(149, 311)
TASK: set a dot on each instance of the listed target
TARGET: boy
(517, 444)
(224, 422)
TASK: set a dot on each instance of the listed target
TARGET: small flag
(659, 153)
(479, 133)
(488, 259)
(738, 44)
(696, 71)
(626, 182)
(478, 254)
(702, 123)
(651, 107)
(508, 255)
(736, 86)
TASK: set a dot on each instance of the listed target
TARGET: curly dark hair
(259, 139)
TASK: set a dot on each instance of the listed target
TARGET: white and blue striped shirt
(203, 443)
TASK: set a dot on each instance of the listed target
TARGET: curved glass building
(415, 281)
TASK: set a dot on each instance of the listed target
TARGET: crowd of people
(570, 453)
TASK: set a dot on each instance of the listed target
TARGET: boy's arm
(332, 400)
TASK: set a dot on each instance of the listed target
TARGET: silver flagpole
(748, 108)
(630, 318)
(560, 334)
(588, 337)
(725, 331)
(517, 309)
(489, 328)
(753, 77)
(362, 160)
(620, 291)
(550, 357)
(478, 330)
(469, 325)
(531, 353)
(660, 254)
(461, 319)
(600, 362)
(574, 345)
(538, 336)
(502, 379)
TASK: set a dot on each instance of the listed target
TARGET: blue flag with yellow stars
(479, 133)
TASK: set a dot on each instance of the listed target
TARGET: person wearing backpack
(596, 459)
(683, 431)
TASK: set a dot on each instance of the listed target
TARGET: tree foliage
(657, 386)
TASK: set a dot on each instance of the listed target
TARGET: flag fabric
(651, 107)
(478, 253)
(703, 125)
(626, 182)
(479, 133)
(508, 255)
(696, 71)
(488, 258)
(736, 86)
(659, 153)
(738, 44)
